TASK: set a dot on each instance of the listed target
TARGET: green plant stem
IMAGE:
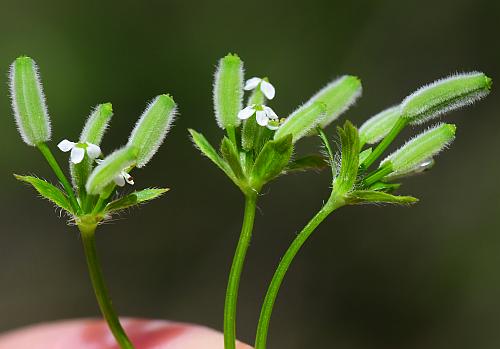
(377, 175)
(272, 292)
(235, 273)
(44, 149)
(101, 202)
(374, 155)
(231, 132)
(103, 299)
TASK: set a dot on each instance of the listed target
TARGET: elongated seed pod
(92, 132)
(152, 127)
(379, 125)
(110, 168)
(412, 171)
(228, 91)
(97, 123)
(422, 147)
(301, 121)
(445, 95)
(338, 96)
(28, 101)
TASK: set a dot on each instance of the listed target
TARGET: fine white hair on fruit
(31, 134)
(300, 127)
(349, 103)
(397, 158)
(219, 117)
(149, 145)
(379, 125)
(95, 126)
(462, 96)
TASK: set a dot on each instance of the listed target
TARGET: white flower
(263, 114)
(78, 150)
(266, 87)
(122, 178)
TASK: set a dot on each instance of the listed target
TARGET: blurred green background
(371, 277)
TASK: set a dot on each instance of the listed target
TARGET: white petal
(119, 180)
(267, 89)
(93, 150)
(128, 178)
(252, 83)
(65, 145)
(272, 127)
(270, 113)
(246, 113)
(77, 155)
(99, 161)
(262, 119)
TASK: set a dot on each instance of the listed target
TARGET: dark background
(371, 277)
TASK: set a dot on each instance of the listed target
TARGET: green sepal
(307, 163)
(271, 161)
(48, 191)
(231, 155)
(134, 199)
(377, 197)
(206, 149)
(249, 133)
(328, 150)
(349, 140)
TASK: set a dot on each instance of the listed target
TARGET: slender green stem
(101, 202)
(272, 292)
(103, 299)
(374, 155)
(235, 273)
(378, 174)
(44, 149)
(231, 132)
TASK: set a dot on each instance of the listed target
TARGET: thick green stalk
(44, 149)
(103, 299)
(272, 292)
(235, 273)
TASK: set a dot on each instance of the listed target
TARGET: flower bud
(445, 95)
(379, 125)
(152, 127)
(96, 124)
(301, 121)
(28, 101)
(228, 91)
(419, 149)
(110, 168)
